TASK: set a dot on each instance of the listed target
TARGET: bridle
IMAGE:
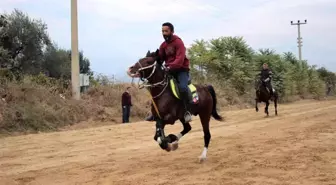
(145, 80)
(259, 84)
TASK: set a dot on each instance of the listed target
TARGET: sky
(115, 34)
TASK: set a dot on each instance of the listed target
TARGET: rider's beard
(167, 37)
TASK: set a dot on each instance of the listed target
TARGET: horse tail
(214, 103)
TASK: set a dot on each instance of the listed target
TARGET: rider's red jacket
(174, 54)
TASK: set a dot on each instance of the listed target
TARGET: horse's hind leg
(205, 120)
(256, 105)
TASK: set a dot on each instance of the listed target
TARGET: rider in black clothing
(266, 77)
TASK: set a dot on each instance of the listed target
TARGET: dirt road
(297, 147)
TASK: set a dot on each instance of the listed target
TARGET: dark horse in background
(167, 108)
(263, 95)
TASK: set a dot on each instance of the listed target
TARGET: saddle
(176, 92)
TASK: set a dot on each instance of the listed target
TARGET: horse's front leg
(266, 108)
(256, 105)
(160, 137)
(174, 139)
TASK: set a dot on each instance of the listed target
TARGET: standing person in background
(329, 87)
(149, 117)
(126, 103)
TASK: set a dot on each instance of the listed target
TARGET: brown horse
(263, 95)
(167, 108)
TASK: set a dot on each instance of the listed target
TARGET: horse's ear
(158, 56)
(148, 54)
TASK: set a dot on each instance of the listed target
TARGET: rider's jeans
(183, 78)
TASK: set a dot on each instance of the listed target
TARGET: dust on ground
(297, 147)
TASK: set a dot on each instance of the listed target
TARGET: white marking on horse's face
(133, 75)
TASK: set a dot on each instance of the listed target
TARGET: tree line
(236, 64)
(27, 49)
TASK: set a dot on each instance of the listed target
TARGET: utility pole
(74, 52)
(298, 24)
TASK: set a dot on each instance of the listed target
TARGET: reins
(148, 85)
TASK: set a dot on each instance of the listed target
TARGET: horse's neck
(263, 89)
(158, 77)
(155, 91)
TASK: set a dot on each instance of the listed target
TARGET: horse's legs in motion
(276, 105)
(205, 119)
(186, 129)
(174, 139)
(256, 105)
(266, 107)
(160, 135)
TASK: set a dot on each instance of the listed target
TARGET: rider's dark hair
(170, 25)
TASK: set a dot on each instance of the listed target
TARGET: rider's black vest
(265, 73)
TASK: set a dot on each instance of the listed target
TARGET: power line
(298, 24)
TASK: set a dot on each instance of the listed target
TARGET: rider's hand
(167, 69)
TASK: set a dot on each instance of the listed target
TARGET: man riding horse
(265, 91)
(169, 106)
(266, 78)
(173, 52)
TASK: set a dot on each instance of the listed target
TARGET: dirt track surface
(297, 147)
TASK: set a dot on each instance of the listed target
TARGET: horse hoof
(172, 138)
(202, 159)
(174, 146)
(169, 148)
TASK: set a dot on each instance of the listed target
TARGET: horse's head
(261, 88)
(257, 84)
(145, 67)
